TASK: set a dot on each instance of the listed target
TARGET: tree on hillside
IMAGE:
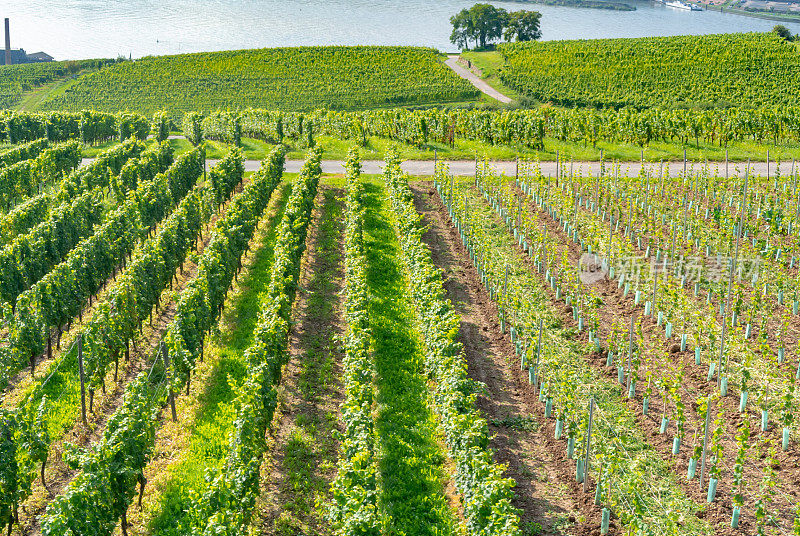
(523, 26)
(783, 32)
(488, 22)
(462, 28)
(484, 23)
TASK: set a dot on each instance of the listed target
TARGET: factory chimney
(8, 43)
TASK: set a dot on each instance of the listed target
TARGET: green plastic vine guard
(764, 420)
(735, 518)
(645, 405)
(712, 490)
(548, 408)
(696, 355)
(604, 523)
(559, 428)
(683, 342)
(676, 446)
(723, 387)
(785, 443)
(570, 448)
(610, 358)
(690, 474)
(711, 369)
(579, 471)
(664, 424)
(742, 401)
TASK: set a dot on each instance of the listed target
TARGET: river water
(71, 29)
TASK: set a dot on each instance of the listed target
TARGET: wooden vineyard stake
(726, 306)
(165, 355)
(83, 383)
(630, 354)
(588, 445)
(705, 443)
(557, 162)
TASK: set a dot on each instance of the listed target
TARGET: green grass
(294, 79)
(214, 412)
(411, 466)
(336, 149)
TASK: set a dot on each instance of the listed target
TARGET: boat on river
(678, 4)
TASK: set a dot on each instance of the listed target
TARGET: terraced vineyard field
(727, 70)
(15, 80)
(295, 79)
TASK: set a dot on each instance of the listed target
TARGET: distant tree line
(485, 23)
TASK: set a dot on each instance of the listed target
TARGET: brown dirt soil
(301, 460)
(546, 491)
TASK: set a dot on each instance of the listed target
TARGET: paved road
(422, 168)
(466, 168)
(452, 62)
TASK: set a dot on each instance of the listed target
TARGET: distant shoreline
(589, 4)
(778, 17)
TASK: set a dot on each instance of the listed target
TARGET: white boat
(677, 4)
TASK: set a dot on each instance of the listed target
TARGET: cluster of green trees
(784, 32)
(484, 23)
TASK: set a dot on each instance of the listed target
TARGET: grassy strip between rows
(411, 463)
(375, 147)
(212, 407)
(227, 505)
(632, 481)
(486, 495)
